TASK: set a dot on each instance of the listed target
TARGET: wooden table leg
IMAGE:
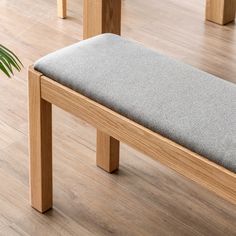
(62, 8)
(220, 11)
(40, 137)
(101, 16)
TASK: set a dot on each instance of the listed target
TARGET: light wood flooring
(144, 197)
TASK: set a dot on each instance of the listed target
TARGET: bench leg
(108, 150)
(61, 8)
(40, 138)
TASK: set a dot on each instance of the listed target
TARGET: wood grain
(107, 152)
(101, 16)
(143, 197)
(187, 163)
(40, 136)
(220, 11)
(62, 8)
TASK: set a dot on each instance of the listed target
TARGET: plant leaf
(14, 55)
(6, 64)
(5, 71)
(10, 59)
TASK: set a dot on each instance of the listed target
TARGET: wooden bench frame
(111, 129)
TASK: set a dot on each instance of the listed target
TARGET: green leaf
(12, 54)
(6, 64)
(9, 61)
(4, 70)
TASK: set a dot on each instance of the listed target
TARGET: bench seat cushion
(193, 108)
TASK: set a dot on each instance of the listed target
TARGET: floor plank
(143, 197)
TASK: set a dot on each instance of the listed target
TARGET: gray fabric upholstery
(182, 103)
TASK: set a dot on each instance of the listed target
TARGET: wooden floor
(143, 198)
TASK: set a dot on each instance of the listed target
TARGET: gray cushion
(182, 103)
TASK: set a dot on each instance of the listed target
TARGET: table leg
(220, 11)
(101, 16)
(61, 8)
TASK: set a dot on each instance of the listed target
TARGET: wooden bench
(174, 113)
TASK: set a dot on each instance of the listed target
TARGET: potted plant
(9, 61)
